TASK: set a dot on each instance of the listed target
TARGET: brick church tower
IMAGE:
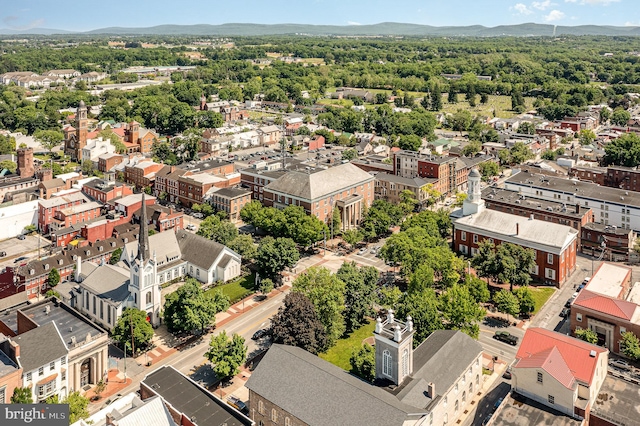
(75, 141)
(25, 162)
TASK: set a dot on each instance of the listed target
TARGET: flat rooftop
(69, 322)
(608, 280)
(7, 366)
(518, 410)
(617, 401)
(192, 400)
(505, 196)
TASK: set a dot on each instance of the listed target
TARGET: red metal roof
(607, 305)
(574, 352)
(551, 361)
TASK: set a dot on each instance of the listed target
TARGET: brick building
(388, 187)
(167, 182)
(256, 180)
(627, 178)
(26, 168)
(48, 208)
(608, 305)
(554, 245)
(106, 162)
(75, 214)
(75, 139)
(346, 187)
(617, 243)
(590, 174)
(193, 188)
(229, 200)
(10, 370)
(106, 190)
(161, 218)
(142, 174)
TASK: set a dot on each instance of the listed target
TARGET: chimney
(431, 390)
(531, 216)
(577, 208)
(47, 309)
(517, 229)
(78, 269)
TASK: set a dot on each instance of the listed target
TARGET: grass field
(339, 354)
(500, 104)
(236, 290)
(540, 296)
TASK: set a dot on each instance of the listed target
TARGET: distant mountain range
(382, 29)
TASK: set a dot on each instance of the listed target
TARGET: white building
(95, 148)
(44, 371)
(611, 206)
(559, 371)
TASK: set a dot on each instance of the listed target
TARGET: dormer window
(32, 271)
(46, 267)
(60, 261)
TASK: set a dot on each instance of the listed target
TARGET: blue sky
(83, 16)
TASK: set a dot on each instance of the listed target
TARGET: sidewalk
(488, 380)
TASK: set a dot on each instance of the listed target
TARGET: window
(274, 415)
(28, 377)
(463, 235)
(3, 395)
(64, 375)
(63, 360)
(287, 421)
(148, 298)
(549, 273)
(579, 317)
(551, 399)
(464, 396)
(101, 309)
(475, 238)
(622, 330)
(470, 388)
(477, 380)
(405, 362)
(445, 401)
(41, 371)
(52, 366)
(456, 388)
(386, 363)
(464, 249)
(539, 377)
(457, 406)
(260, 407)
(549, 258)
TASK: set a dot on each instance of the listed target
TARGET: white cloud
(522, 9)
(353, 23)
(554, 15)
(631, 24)
(593, 2)
(541, 5)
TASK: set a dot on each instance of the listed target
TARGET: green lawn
(500, 104)
(339, 354)
(236, 290)
(540, 296)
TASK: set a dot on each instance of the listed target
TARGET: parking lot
(28, 248)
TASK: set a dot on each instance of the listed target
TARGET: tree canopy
(189, 308)
(297, 324)
(226, 354)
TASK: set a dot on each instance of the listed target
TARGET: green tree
(389, 297)
(507, 302)
(488, 169)
(527, 128)
(620, 117)
(630, 345)
(77, 405)
(363, 362)
(53, 279)
(410, 142)
(115, 256)
(478, 288)
(520, 153)
(107, 134)
(408, 201)
(460, 311)
(189, 308)
(423, 309)
(472, 148)
(265, 286)
(452, 97)
(587, 335)
(352, 236)
(360, 286)
(22, 396)
(508, 263)
(49, 139)
(275, 254)
(12, 166)
(436, 98)
(586, 137)
(349, 154)
(226, 354)
(135, 320)
(52, 293)
(221, 231)
(244, 246)
(525, 299)
(623, 151)
(297, 324)
(326, 293)
(88, 169)
(460, 120)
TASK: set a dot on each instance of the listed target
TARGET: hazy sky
(83, 16)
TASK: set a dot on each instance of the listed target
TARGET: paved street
(27, 247)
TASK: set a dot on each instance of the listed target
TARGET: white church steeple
(473, 203)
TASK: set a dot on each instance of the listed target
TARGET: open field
(339, 354)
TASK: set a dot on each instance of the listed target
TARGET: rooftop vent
(592, 354)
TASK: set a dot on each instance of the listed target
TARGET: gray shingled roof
(109, 282)
(319, 393)
(312, 186)
(40, 346)
(198, 250)
(441, 359)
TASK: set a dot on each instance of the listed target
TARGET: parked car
(3, 253)
(236, 403)
(569, 302)
(362, 251)
(497, 404)
(259, 334)
(506, 337)
(565, 312)
(20, 259)
(198, 215)
(507, 373)
(191, 227)
(621, 364)
(21, 237)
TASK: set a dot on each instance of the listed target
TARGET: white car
(191, 227)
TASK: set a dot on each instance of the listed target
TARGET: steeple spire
(143, 238)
